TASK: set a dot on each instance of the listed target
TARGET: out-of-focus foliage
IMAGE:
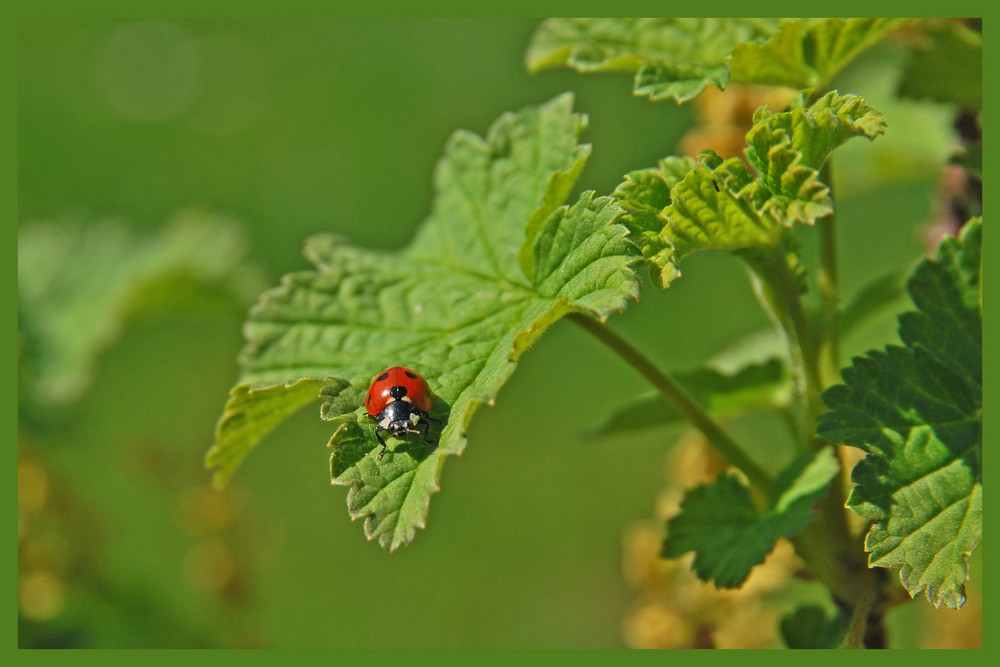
(752, 387)
(811, 627)
(808, 53)
(946, 65)
(681, 58)
(77, 281)
(676, 58)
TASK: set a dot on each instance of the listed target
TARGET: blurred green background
(301, 126)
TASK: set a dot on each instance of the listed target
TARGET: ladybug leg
(380, 441)
(427, 429)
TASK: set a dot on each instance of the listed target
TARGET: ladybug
(398, 400)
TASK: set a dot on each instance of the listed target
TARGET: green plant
(506, 252)
(81, 283)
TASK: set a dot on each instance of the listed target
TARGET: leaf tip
(219, 481)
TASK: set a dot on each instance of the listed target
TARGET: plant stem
(803, 338)
(731, 450)
(832, 554)
(825, 545)
(778, 293)
(829, 286)
(857, 631)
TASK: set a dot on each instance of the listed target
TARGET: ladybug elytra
(398, 400)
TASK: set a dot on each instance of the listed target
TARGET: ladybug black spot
(382, 377)
(369, 398)
(411, 375)
(397, 392)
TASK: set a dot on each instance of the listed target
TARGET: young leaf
(722, 205)
(762, 386)
(785, 147)
(77, 283)
(672, 58)
(679, 58)
(497, 262)
(917, 411)
(807, 53)
(947, 66)
(643, 195)
(729, 535)
(809, 627)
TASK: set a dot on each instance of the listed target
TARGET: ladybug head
(399, 417)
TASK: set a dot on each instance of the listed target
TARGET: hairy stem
(731, 450)
(803, 339)
(829, 286)
(829, 550)
(832, 554)
(826, 546)
(778, 293)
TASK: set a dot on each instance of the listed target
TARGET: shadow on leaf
(353, 441)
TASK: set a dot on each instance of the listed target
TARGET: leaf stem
(731, 450)
(778, 293)
(860, 614)
(829, 286)
(831, 554)
(826, 544)
(802, 336)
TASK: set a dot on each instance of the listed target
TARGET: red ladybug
(398, 400)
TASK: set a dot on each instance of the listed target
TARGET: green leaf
(722, 205)
(679, 58)
(729, 535)
(810, 627)
(917, 411)
(78, 281)
(762, 386)
(644, 195)
(252, 412)
(707, 210)
(947, 66)
(756, 348)
(784, 147)
(497, 263)
(672, 58)
(807, 53)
